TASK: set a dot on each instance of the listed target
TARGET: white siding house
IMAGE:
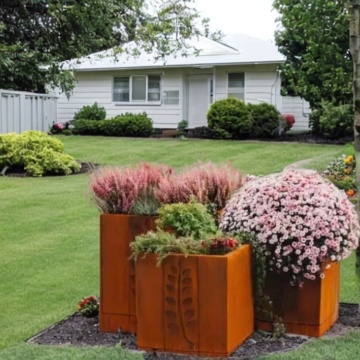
(181, 87)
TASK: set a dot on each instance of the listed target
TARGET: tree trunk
(354, 15)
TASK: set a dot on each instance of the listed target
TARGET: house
(180, 87)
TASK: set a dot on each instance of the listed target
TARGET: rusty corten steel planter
(199, 304)
(310, 310)
(117, 272)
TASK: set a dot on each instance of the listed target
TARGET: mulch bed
(86, 167)
(80, 331)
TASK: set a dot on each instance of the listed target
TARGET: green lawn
(49, 235)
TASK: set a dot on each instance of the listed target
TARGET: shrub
(336, 121)
(265, 119)
(127, 190)
(300, 219)
(207, 183)
(91, 112)
(88, 127)
(186, 220)
(135, 125)
(37, 153)
(182, 126)
(230, 119)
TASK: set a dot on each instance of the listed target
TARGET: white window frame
(236, 92)
(166, 97)
(138, 102)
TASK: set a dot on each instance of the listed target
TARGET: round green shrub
(230, 119)
(91, 112)
(265, 119)
(336, 121)
(37, 153)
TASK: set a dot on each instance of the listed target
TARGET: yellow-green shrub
(37, 153)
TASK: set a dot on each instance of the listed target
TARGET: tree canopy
(37, 35)
(314, 37)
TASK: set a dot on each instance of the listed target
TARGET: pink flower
(295, 208)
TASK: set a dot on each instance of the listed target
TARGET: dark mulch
(313, 139)
(303, 137)
(78, 330)
(86, 167)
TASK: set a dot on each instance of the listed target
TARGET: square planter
(310, 310)
(199, 304)
(117, 272)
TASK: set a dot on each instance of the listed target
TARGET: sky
(251, 17)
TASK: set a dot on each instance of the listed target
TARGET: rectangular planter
(117, 273)
(310, 310)
(199, 304)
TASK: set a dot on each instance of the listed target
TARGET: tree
(314, 37)
(39, 34)
(354, 31)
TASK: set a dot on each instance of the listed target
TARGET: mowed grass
(49, 238)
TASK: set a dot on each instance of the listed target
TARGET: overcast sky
(250, 17)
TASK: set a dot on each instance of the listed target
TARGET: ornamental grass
(207, 183)
(120, 190)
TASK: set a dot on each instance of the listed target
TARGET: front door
(198, 100)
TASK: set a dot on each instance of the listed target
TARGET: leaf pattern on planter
(181, 303)
(132, 286)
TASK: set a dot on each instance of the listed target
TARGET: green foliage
(341, 172)
(314, 37)
(37, 153)
(163, 243)
(336, 121)
(88, 127)
(190, 219)
(182, 125)
(145, 205)
(314, 120)
(89, 306)
(41, 34)
(265, 119)
(91, 112)
(135, 125)
(230, 119)
(263, 303)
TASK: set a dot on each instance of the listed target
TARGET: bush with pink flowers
(299, 218)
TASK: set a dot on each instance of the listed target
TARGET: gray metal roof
(233, 49)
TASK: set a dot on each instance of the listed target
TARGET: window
(171, 97)
(236, 85)
(137, 89)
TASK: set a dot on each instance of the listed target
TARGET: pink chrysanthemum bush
(128, 190)
(299, 218)
(206, 183)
